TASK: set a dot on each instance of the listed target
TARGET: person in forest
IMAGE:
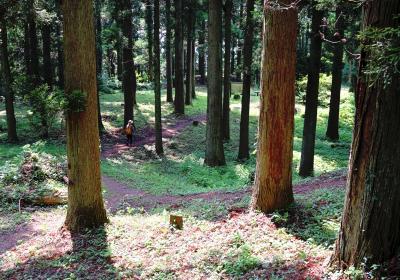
(129, 132)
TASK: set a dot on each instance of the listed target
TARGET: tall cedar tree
(149, 33)
(193, 75)
(168, 54)
(332, 131)
(47, 65)
(370, 228)
(227, 70)
(60, 52)
(157, 84)
(214, 147)
(99, 57)
(240, 45)
(247, 61)
(179, 100)
(6, 81)
(202, 52)
(85, 201)
(310, 117)
(33, 44)
(273, 180)
(189, 58)
(128, 79)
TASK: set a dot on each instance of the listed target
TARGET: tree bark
(189, 61)
(179, 102)
(273, 180)
(332, 131)
(7, 80)
(99, 59)
(157, 84)
(310, 118)
(214, 147)
(370, 227)
(247, 61)
(194, 68)
(227, 71)
(168, 55)
(202, 50)
(85, 202)
(240, 46)
(149, 33)
(60, 52)
(47, 67)
(127, 60)
(33, 44)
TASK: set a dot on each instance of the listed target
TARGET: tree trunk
(33, 44)
(179, 102)
(127, 60)
(240, 46)
(227, 71)
(370, 228)
(47, 67)
(214, 147)
(310, 118)
(273, 180)
(27, 51)
(247, 61)
(149, 33)
(157, 85)
(332, 131)
(60, 53)
(194, 68)
(85, 201)
(168, 50)
(6, 77)
(233, 56)
(202, 51)
(118, 46)
(189, 62)
(99, 58)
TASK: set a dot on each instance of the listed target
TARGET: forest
(200, 139)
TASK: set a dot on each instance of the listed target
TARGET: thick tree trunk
(247, 61)
(99, 58)
(85, 201)
(202, 51)
(157, 84)
(273, 180)
(149, 33)
(179, 102)
(214, 147)
(189, 62)
(227, 71)
(47, 67)
(33, 44)
(310, 118)
(6, 77)
(332, 131)
(233, 55)
(168, 55)
(127, 60)
(370, 228)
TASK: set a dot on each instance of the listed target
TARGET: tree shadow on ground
(90, 258)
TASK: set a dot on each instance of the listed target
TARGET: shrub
(325, 83)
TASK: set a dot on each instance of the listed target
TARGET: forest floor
(221, 238)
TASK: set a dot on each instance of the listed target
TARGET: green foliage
(325, 82)
(31, 175)
(383, 48)
(45, 108)
(74, 102)
(240, 261)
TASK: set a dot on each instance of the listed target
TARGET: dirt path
(119, 193)
(114, 143)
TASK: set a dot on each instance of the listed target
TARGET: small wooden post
(176, 221)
